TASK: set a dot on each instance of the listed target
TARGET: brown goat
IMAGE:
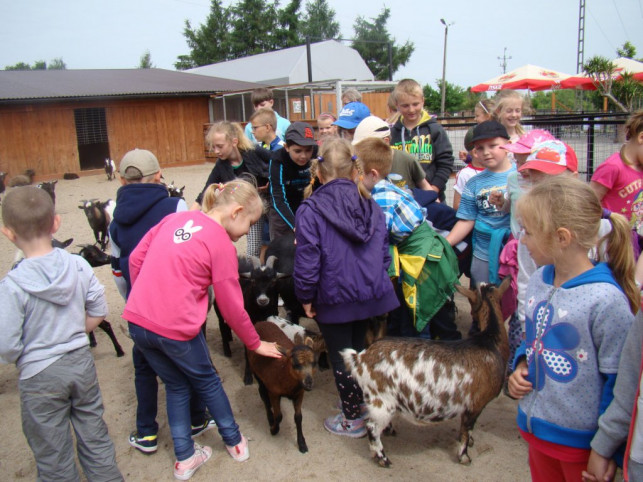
(288, 376)
(435, 380)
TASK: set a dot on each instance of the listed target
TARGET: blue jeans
(183, 366)
(146, 387)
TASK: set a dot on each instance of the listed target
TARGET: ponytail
(238, 191)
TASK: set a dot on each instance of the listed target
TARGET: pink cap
(551, 157)
(527, 141)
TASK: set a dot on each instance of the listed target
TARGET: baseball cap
(551, 157)
(371, 126)
(468, 143)
(488, 130)
(351, 115)
(143, 161)
(528, 140)
(300, 133)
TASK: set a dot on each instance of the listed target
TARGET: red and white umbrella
(623, 65)
(529, 77)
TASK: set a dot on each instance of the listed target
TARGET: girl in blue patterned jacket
(577, 316)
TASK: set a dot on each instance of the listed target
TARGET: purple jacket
(342, 255)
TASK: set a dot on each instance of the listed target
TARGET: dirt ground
(427, 452)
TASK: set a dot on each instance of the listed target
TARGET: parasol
(528, 76)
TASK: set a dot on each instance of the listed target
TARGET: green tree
(371, 40)
(254, 27)
(55, 64)
(289, 28)
(627, 50)
(455, 97)
(601, 71)
(210, 42)
(146, 61)
(18, 66)
(319, 21)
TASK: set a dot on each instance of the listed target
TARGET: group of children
(358, 225)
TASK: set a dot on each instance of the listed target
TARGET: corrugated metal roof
(330, 60)
(51, 84)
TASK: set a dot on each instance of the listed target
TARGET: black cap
(488, 130)
(301, 133)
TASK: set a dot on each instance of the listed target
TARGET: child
(618, 182)
(482, 112)
(419, 134)
(578, 315)
(621, 422)
(404, 164)
(50, 301)
(424, 290)
(509, 107)
(325, 127)
(264, 128)
(476, 213)
(340, 269)
(141, 202)
(351, 95)
(289, 176)
(237, 157)
(260, 98)
(349, 118)
(169, 301)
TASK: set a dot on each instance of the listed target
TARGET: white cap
(371, 126)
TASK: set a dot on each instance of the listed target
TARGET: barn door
(91, 133)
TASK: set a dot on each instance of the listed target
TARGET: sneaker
(146, 444)
(339, 425)
(204, 427)
(185, 469)
(239, 452)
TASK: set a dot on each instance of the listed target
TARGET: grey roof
(330, 60)
(52, 84)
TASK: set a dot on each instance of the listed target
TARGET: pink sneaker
(185, 469)
(239, 452)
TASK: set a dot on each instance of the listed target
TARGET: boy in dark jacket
(141, 202)
(289, 176)
(419, 134)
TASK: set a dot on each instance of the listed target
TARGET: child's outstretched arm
(460, 231)
(519, 386)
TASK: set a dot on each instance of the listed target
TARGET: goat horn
(256, 262)
(271, 261)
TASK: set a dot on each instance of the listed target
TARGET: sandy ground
(427, 452)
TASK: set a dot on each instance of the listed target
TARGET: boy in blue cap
(350, 116)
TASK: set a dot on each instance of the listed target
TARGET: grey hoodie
(43, 304)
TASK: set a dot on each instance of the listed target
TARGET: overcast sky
(90, 34)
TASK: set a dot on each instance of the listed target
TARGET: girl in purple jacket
(340, 268)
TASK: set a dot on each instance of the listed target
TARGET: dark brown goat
(288, 376)
(435, 380)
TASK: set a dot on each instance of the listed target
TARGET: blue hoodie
(574, 337)
(342, 256)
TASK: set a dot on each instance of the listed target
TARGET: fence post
(590, 150)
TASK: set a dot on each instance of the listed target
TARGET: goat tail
(350, 359)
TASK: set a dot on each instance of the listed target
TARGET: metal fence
(594, 137)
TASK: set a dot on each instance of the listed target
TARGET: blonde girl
(237, 157)
(171, 270)
(577, 316)
(618, 182)
(340, 268)
(509, 109)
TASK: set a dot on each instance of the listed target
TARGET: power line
(598, 24)
(621, 20)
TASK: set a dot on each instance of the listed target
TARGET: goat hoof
(389, 430)
(465, 459)
(274, 430)
(120, 353)
(247, 381)
(303, 448)
(383, 461)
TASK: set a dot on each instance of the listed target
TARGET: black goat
(50, 188)
(94, 256)
(259, 286)
(107, 328)
(99, 217)
(283, 248)
(110, 169)
(174, 191)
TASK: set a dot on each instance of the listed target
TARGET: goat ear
(282, 275)
(281, 350)
(506, 282)
(308, 341)
(472, 295)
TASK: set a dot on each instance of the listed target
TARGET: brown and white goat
(288, 376)
(436, 380)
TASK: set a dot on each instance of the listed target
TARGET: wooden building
(69, 121)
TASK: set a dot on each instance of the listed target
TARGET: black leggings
(338, 337)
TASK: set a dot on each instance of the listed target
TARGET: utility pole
(580, 55)
(504, 59)
(444, 65)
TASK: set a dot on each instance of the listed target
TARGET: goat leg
(378, 419)
(265, 398)
(92, 339)
(226, 333)
(275, 402)
(467, 421)
(107, 328)
(301, 441)
(247, 375)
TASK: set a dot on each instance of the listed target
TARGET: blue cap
(351, 115)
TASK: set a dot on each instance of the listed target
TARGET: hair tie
(606, 213)
(353, 158)
(320, 159)
(219, 189)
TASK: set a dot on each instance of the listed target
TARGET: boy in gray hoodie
(50, 300)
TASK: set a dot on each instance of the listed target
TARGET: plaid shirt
(403, 214)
